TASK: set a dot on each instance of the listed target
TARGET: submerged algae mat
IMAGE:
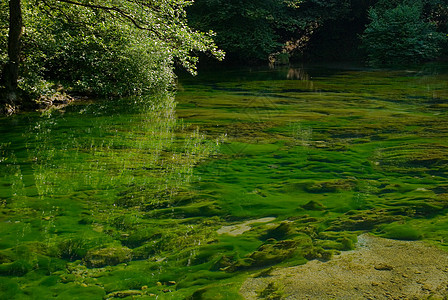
(378, 269)
(252, 169)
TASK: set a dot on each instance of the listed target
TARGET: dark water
(244, 170)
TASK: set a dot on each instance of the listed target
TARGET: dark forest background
(379, 32)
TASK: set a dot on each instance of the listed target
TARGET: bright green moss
(117, 198)
(401, 232)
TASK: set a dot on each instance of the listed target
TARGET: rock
(4, 258)
(362, 220)
(224, 263)
(265, 273)
(313, 205)
(107, 257)
(234, 230)
(268, 254)
(17, 269)
(383, 267)
(281, 231)
(271, 291)
(124, 294)
(331, 186)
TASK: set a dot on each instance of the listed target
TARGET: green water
(243, 171)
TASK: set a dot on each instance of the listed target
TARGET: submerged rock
(107, 257)
(313, 205)
(362, 220)
(331, 186)
(17, 268)
(272, 291)
(234, 230)
(281, 231)
(268, 254)
(124, 294)
(4, 258)
(224, 264)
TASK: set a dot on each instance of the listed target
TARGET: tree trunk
(11, 70)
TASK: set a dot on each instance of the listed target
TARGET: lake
(187, 194)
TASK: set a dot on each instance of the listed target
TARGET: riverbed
(187, 194)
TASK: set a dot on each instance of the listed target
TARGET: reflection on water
(300, 74)
(130, 197)
(101, 147)
(75, 181)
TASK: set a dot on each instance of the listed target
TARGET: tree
(247, 30)
(401, 35)
(100, 43)
(11, 68)
(250, 30)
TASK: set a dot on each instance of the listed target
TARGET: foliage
(251, 30)
(106, 47)
(3, 32)
(313, 29)
(116, 48)
(4, 19)
(246, 29)
(400, 35)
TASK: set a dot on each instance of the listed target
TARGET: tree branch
(50, 7)
(114, 9)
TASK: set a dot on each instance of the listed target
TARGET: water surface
(244, 170)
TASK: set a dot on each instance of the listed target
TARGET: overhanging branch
(121, 12)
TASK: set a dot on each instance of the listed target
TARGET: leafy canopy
(107, 47)
(250, 30)
(401, 35)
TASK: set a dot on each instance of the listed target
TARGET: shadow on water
(138, 197)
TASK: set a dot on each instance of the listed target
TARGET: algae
(250, 169)
(238, 229)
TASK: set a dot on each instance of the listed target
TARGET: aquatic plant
(126, 199)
